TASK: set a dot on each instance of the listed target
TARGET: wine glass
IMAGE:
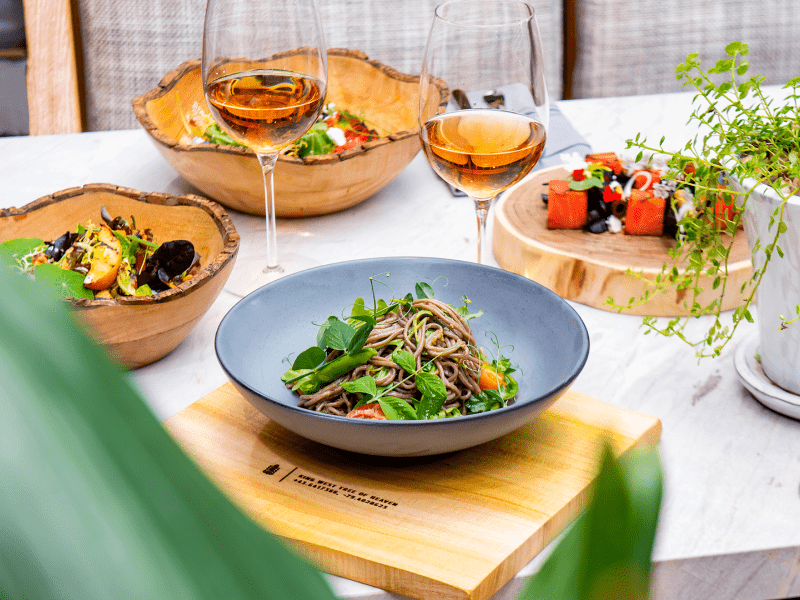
(265, 74)
(483, 104)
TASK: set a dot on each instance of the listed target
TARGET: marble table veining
(730, 520)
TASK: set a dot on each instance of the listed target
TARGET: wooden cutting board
(454, 526)
(588, 268)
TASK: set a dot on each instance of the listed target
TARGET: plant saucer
(756, 381)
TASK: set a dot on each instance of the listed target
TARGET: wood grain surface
(454, 526)
(589, 268)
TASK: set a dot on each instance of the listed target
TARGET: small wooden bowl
(139, 330)
(314, 185)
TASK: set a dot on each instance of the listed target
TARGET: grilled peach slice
(104, 261)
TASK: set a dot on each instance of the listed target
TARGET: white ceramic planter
(779, 292)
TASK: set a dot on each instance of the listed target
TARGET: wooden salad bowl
(314, 185)
(139, 330)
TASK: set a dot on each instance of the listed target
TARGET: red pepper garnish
(578, 175)
(610, 195)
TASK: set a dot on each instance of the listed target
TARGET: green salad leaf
(215, 135)
(485, 401)
(315, 142)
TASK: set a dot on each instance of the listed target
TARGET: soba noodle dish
(406, 359)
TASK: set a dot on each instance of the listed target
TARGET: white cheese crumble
(337, 135)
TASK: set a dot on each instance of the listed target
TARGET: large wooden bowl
(139, 330)
(314, 185)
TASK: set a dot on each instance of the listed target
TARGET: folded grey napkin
(561, 138)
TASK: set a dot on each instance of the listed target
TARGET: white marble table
(730, 521)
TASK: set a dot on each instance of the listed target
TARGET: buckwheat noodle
(430, 330)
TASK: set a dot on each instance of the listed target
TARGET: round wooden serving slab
(589, 268)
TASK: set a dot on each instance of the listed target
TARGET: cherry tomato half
(368, 411)
(490, 378)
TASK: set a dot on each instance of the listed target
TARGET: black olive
(598, 226)
(596, 204)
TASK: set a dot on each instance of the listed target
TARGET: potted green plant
(743, 168)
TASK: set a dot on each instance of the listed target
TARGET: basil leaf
(423, 290)
(124, 244)
(406, 360)
(361, 334)
(585, 184)
(309, 359)
(485, 401)
(429, 407)
(322, 329)
(431, 385)
(397, 409)
(66, 283)
(362, 385)
(336, 335)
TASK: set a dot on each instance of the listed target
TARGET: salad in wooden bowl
(140, 269)
(364, 139)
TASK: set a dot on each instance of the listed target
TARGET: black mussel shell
(167, 262)
(55, 250)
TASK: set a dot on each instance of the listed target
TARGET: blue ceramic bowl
(256, 339)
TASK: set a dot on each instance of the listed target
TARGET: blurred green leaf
(606, 554)
(96, 500)
(14, 250)
(65, 283)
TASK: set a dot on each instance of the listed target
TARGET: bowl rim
(464, 419)
(230, 238)
(171, 79)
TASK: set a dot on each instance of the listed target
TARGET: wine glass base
(250, 273)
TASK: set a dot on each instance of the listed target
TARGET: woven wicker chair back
(631, 47)
(129, 45)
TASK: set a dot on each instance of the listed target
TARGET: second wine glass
(265, 76)
(483, 106)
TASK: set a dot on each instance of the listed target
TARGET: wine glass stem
(267, 162)
(482, 212)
